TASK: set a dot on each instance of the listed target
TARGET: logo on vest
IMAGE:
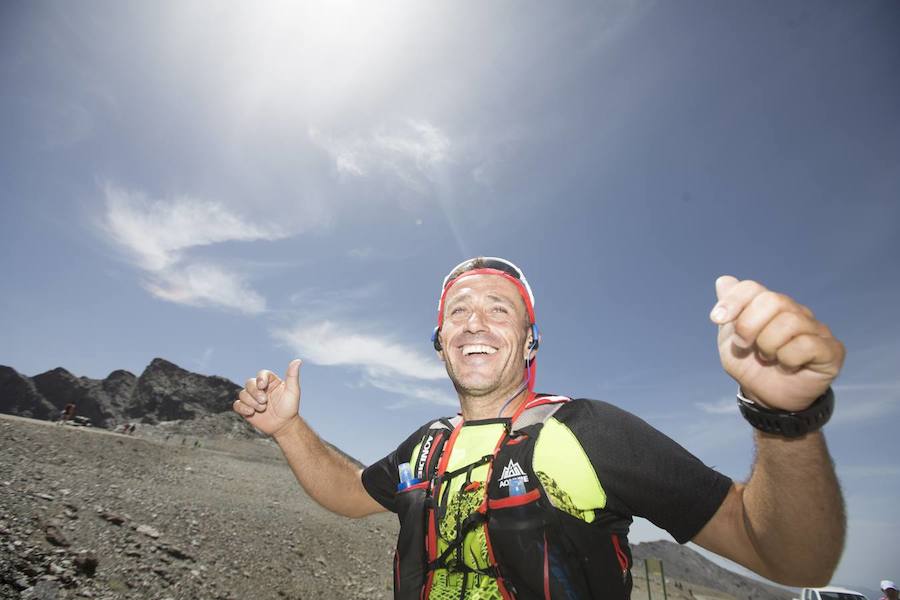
(423, 456)
(511, 471)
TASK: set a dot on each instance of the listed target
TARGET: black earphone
(436, 340)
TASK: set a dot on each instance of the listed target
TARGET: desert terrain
(198, 509)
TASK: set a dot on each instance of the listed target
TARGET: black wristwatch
(785, 423)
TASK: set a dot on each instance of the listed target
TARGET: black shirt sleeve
(381, 478)
(644, 472)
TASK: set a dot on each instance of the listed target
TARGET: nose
(475, 322)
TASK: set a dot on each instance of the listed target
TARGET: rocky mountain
(163, 392)
(19, 396)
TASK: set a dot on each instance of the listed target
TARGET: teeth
(477, 349)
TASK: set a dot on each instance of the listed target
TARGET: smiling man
(527, 495)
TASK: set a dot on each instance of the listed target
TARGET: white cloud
(412, 153)
(413, 394)
(157, 234)
(330, 343)
(360, 253)
(386, 364)
(205, 285)
(425, 146)
(725, 406)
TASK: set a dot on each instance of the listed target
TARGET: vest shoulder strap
(538, 411)
(431, 448)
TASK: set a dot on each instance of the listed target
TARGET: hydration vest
(535, 551)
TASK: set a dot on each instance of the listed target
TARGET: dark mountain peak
(121, 374)
(57, 374)
(161, 365)
(166, 392)
(163, 392)
(19, 396)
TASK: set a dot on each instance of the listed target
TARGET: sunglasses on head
(489, 262)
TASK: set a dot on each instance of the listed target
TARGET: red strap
(531, 496)
(541, 400)
(546, 570)
(623, 559)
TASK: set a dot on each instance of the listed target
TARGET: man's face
(485, 335)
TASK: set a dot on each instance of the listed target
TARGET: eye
(500, 309)
(457, 310)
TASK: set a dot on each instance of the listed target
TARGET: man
(67, 414)
(530, 496)
(889, 590)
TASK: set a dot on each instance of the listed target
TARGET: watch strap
(785, 423)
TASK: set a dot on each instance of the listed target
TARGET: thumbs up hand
(268, 402)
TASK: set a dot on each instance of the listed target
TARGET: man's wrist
(287, 430)
(785, 423)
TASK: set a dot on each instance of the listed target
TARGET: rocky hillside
(694, 573)
(163, 392)
(90, 513)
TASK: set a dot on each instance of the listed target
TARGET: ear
(527, 351)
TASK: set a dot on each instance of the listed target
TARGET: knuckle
(769, 299)
(750, 286)
(774, 301)
(791, 320)
(744, 329)
(806, 343)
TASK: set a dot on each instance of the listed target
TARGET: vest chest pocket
(410, 554)
(533, 555)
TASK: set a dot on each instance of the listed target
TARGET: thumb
(292, 377)
(723, 284)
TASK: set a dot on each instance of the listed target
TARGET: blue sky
(232, 186)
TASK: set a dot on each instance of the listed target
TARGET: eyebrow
(497, 298)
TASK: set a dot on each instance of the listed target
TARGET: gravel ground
(87, 513)
(207, 509)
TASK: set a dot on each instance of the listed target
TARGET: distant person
(888, 589)
(527, 495)
(131, 428)
(67, 414)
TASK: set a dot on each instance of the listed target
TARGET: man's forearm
(793, 509)
(329, 476)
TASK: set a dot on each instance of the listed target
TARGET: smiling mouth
(470, 349)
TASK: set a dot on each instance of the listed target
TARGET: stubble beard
(481, 389)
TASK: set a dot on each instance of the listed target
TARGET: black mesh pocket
(410, 557)
(534, 556)
(516, 535)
